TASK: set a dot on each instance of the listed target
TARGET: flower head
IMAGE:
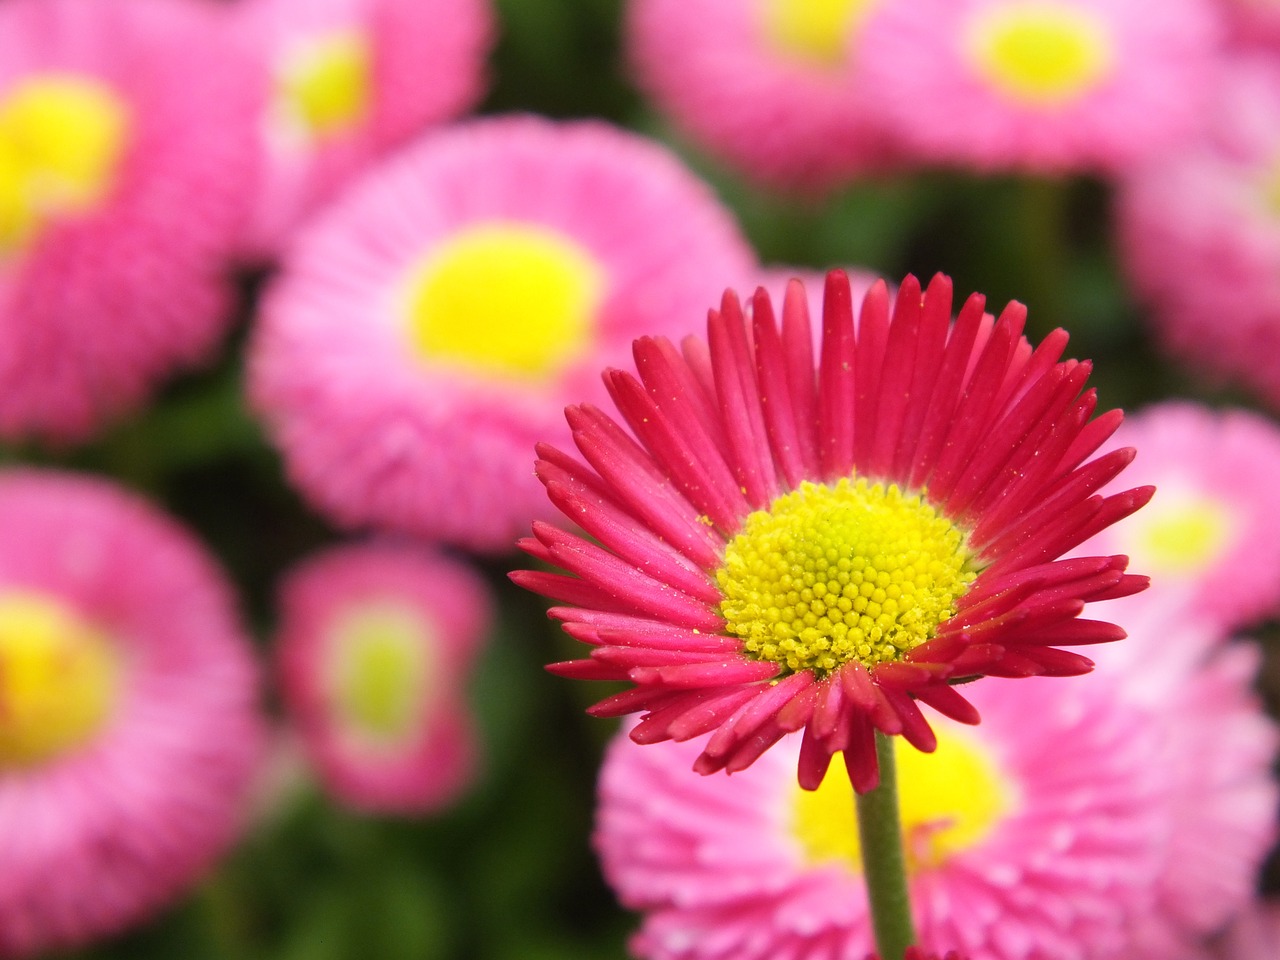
(1089, 819)
(375, 642)
(343, 82)
(783, 549)
(125, 138)
(431, 325)
(773, 87)
(1048, 86)
(129, 724)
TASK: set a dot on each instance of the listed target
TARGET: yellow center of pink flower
(851, 572)
(323, 84)
(951, 800)
(813, 31)
(382, 677)
(1181, 534)
(1043, 54)
(61, 140)
(506, 300)
(59, 679)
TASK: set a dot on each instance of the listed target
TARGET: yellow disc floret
(324, 84)
(854, 571)
(1040, 53)
(507, 300)
(1181, 534)
(951, 799)
(59, 679)
(382, 676)
(61, 140)
(814, 31)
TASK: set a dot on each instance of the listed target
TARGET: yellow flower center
(382, 675)
(61, 140)
(848, 572)
(1180, 535)
(59, 679)
(323, 84)
(1040, 53)
(951, 799)
(506, 300)
(1271, 189)
(813, 31)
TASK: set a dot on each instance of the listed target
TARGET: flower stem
(883, 861)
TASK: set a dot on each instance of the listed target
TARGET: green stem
(883, 862)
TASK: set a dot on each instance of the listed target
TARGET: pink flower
(431, 326)
(1255, 935)
(774, 87)
(1210, 538)
(375, 643)
(781, 548)
(1079, 820)
(125, 141)
(1200, 236)
(343, 82)
(129, 730)
(1044, 86)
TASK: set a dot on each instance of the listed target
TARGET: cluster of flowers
(442, 290)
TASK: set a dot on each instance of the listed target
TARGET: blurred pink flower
(343, 82)
(1042, 86)
(1078, 820)
(1210, 538)
(773, 87)
(125, 143)
(432, 325)
(375, 644)
(129, 728)
(1254, 935)
(1200, 236)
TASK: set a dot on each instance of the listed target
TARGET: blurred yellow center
(1271, 189)
(848, 572)
(61, 139)
(1040, 53)
(383, 676)
(1177, 536)
(951, 799)
(59, 679)
(506, 300)
(815, 31)
(324, 83)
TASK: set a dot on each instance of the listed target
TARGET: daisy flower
(781, 548)
(342, 82)
(1045, 86)
(129, 730)
(1211, 536)
(1200, 236)
(428, 328)
(772, 87)
(118, 121)
(375, 642)
(1058, 829)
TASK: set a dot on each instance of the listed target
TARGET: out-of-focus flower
(1046, 86)
(125, 142)
(785, 550)
(343, 81)
(431, 326)
(1255, 23)
(375, 644)
(1210, 538)
(1078, 820)
(129, 730)
(771, 86)
(1200, 236)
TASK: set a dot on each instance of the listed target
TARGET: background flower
(375, 644)
(131, 733)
